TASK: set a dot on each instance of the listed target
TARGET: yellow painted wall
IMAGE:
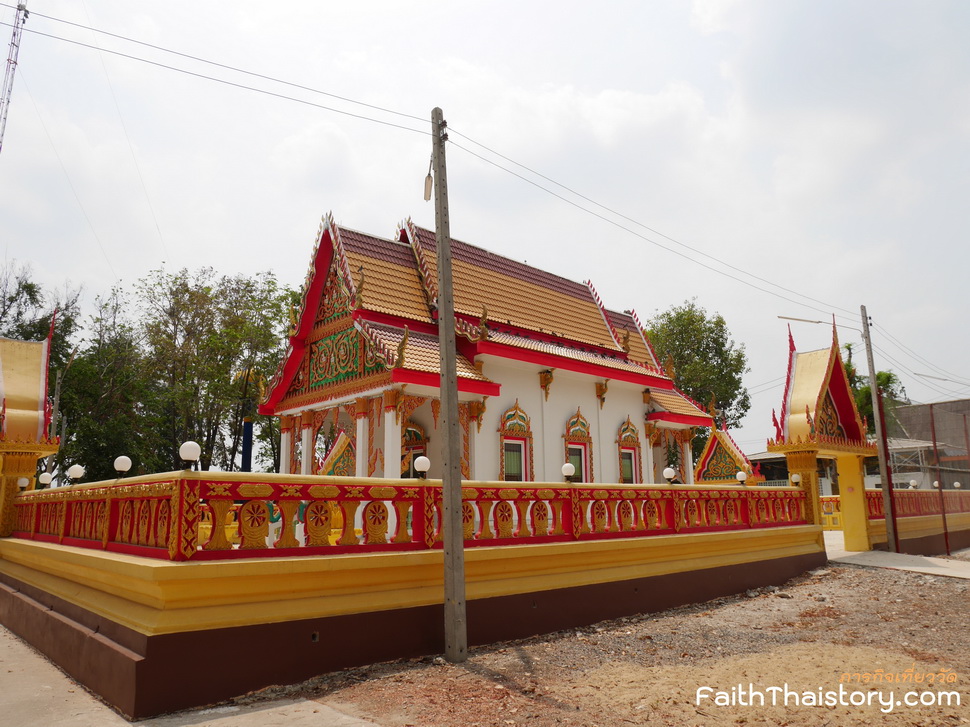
(156, 597)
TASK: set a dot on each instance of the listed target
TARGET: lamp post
(741, 477)
(669, 474)
(796, 479)
(75, 472)
(190, 452)
(122, 465)
(568, 470)
(421, 465)
(45, 479)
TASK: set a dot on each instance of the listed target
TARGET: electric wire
(222, 65)
(452, 130)
(938, 389)
(627, 229)
(228, 83)
(131, 148)
(67, 176)
(899, 344)
(742, 271)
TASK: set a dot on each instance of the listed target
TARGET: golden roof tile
(519, 295)
(676, 403)
(421, 352)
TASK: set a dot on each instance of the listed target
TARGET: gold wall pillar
(15, 464)
(805, 465)
(852, 500)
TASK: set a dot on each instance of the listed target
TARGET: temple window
(414, 443)
(515, 453)
(628, 447)
(579, 445)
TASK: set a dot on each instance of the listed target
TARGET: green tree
(202, 334)
(707, 363)
(107, 400)
(26, 309)
(893, 391)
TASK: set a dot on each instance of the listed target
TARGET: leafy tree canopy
(893, 391)
(708, 364)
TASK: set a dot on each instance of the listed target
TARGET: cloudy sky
(803, 158)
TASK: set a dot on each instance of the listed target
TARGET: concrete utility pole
(456, 636)
(888, 502)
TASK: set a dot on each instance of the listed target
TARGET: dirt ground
(647, 670)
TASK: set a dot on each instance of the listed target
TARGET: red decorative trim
(781, 430)
(320, 265)
(424, 378)
(606, 319)
(549, 360)
(666, 416)
(386, 319)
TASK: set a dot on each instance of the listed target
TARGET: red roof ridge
(341, 253)
(408, 230)
(371, 335)
(645, 337)
(603, 312)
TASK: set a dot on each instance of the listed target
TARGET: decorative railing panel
(915, 503)
(830, 511)
(206, 516)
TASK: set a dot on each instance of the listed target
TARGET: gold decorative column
(804, 463)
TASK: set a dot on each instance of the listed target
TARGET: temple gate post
(804, 463)
(852, 501)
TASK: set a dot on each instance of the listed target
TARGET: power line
(225, 66)
(131, 149)
(68, 177)
(458, 133)
(227, 83)
(899, 344)
(647, 227)
(627, 229)
(937, 389)
(382, 109)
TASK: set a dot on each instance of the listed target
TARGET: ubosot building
(546, 373)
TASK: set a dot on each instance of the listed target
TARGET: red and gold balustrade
(206, 516)
(915, 503)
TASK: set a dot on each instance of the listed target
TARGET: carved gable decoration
(335, 303)
(721, 461)
(835, 413)
(577, 428)
(515, 421)
(628, 436)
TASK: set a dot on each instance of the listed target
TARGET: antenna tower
(18, 27)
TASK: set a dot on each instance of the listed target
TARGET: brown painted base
(144, 676)
(931, 544)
